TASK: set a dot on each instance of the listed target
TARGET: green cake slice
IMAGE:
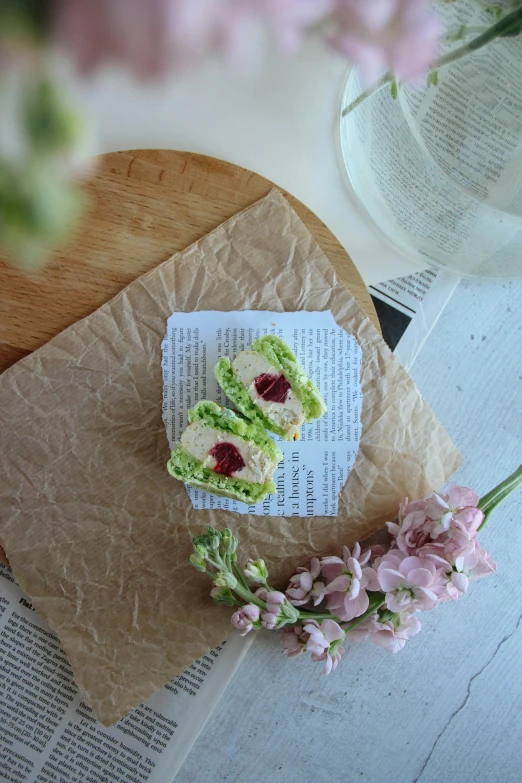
(268, 385)
(222, 453)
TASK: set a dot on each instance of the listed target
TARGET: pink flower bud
(269, 620)
(275, 597)
(245, 618)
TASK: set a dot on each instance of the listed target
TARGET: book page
(48, 734)
(315, 467)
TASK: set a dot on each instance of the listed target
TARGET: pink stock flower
(377, 551)
(324, 642)
(448, 522)
(380, 35)
(245, 618)
(413, 527)
(391, 634)
(438, 553)
(304, 586)
(410, 583)
(279, 611)
(348, 581)
(485, 563)
(469, 565)
(293, 643)
(274, 602)
(455, 512)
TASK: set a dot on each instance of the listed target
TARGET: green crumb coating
(235, 391)
(224, 419)
(184, 467)
(280, 355)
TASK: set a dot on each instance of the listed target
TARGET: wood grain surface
(144, 205)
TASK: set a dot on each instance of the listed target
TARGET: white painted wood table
(449, 706)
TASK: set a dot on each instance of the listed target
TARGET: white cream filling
(288, 415)
(198, 439)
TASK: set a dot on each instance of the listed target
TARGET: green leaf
(25, 20)
(432, 78)
(394, 92)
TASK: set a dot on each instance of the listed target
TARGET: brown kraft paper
(98, 533)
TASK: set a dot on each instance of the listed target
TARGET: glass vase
(438, 170)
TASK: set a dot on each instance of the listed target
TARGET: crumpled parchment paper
(96, 530)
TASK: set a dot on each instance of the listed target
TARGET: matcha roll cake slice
(268, 385)
(226, 455)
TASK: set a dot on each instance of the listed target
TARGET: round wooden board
(144, 205)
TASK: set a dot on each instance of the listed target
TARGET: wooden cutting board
(144, 205)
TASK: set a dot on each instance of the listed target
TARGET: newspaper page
(48, 734)
(315, 467)
(409, 307)
(464, 129)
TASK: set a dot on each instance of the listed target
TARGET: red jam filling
(272, 388)
(228, 459)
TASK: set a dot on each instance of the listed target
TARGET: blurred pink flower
(304, 585)
(324, 642)
(410, 583)
(348, 580)
(245, 618)
(133, 32)
(245, 25)
(380, 35)
(291, 19)
(391, 634)
(148, 36)
(413, 527)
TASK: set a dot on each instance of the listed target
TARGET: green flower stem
(304, 616)
(508, 26)
(386, 79)
(388, 615)
(496, 496)
(510, 483)
(239, 576)
(220, 565)
(248, 596)
(464, 31)
(374, 606)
